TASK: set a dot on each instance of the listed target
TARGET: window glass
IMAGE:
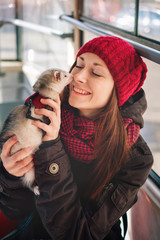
(149, 19)
(7, 32)
(47, 50)
(46, 12)
(119, 13)
(151, 130)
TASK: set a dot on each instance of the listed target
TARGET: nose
(81, 76)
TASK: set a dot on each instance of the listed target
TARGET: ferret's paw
(36, 191)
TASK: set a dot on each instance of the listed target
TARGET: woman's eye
(96, 74)
(78, 66)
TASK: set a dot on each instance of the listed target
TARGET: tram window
(7, 32)
(43, 50)
(151, 130)
(46, 12)
(122, 15)
(113, 12)
(7, 9)
(149, 19)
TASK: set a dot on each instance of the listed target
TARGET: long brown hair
(111, 144)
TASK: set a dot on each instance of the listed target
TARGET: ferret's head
(51, 82)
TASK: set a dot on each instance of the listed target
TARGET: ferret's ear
(57, 75)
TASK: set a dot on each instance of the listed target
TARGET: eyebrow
(95, 64)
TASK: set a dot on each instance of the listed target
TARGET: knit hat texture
(125, 65)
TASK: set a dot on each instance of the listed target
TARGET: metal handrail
(36, 27)
(145, 51)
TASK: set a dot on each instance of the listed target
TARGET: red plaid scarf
(132, 130)
(77, 134)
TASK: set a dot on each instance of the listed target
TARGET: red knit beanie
(126, 66)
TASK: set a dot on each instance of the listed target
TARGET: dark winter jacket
(60, 207)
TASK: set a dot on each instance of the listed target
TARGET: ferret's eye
(65, 75)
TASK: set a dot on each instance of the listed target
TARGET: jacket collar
(135, 107)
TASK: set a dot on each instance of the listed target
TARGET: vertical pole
(18, 14)
(78, 35)
(1, 73)
(136, 17)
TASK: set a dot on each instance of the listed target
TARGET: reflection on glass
(119, 13)
(46, 12)
(149, 19)
(43, 50)
(6, 9)
(151, 130)
(39, 49)
(7, 32)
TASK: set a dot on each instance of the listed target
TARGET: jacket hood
(135, 107)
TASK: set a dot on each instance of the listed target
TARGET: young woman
(93, 160)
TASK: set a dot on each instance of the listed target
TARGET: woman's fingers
(40, 125)
(18, 163)
(51, 130)
(19, 168)
(8, 145)
(45, 112)
(23, 166)
(55, 104)
(10, 162)
(21, 154)
(58, 101)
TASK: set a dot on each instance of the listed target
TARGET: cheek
(74, 71)
(103, 92)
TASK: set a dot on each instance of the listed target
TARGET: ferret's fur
(49, 83)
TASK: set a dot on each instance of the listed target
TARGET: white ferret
(18, 123)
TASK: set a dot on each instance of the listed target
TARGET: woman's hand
(17, 164)
(52, 130)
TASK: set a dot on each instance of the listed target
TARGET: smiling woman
(92, 84)
(88, 176)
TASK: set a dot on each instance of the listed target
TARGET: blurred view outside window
(151, 130)
(7, 32)
(149, 19)
(121, 14)
(38, 48)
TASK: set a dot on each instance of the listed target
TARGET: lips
(80, 91)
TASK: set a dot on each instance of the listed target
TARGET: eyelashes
(97, 75)
(78, 67)
(94, 73)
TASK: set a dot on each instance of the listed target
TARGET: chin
(72, 103)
